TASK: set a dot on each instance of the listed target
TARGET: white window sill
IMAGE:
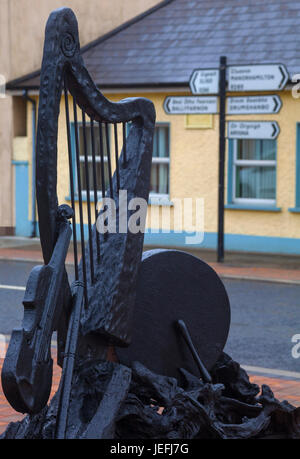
(159, 200)
(154, 199)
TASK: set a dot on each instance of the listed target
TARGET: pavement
(246, 266)
(284, 389)
(7, 413)
(279, 269)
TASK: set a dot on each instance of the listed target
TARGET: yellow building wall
(189, 155)
(22, 28)
(283, 223)
(194, 168)
(23, 23)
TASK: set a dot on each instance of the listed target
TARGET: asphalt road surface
(264, 317)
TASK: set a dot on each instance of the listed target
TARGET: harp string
(124, 144)
(88, 197)
(95, 188)
(77, 154)
(92, 159)
(71, 172)
(108, 160)
(117, 156)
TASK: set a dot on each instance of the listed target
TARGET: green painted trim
(297, 191)
(230, 191)
(230, 173)
(252, 207)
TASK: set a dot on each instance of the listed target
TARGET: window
(159, 182)
(254, 171)
(297, 200)
(90, 159)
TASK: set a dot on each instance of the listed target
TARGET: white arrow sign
(184, 105)
(252, 130)
(266, 77)
(253, 105)
(205, 81)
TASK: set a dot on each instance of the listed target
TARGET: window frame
(82, 160)
(162, 160)
(254, 163)
(296, 208)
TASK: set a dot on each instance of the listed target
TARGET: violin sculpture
(27, 369)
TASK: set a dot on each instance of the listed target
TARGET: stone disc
(175, 285)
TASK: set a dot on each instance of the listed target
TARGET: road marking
(243, 277)
(271, 371)
(12, 287)
(252, 369)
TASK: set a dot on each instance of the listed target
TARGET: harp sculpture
(103, 293)
(156, 301)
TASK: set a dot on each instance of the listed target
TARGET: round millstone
(174, 285)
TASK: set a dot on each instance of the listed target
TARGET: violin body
(27, 368)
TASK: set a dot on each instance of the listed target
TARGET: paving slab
(284, 389)
(237, 265)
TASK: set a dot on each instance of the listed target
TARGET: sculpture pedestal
(154, 406)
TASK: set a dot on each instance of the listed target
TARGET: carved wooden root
(228, 408)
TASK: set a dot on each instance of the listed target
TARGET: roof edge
(119, 86)
(17, 82)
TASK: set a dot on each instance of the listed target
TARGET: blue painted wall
(233, 242)
(23, 225)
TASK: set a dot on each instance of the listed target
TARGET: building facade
(22, 26)
(157, 53)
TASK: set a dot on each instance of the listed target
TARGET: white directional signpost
(178, 105)
(252, 130)
(253, 105)
(265, 77)
(209, 85)
(205, 81)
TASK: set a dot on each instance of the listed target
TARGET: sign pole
(222, 148)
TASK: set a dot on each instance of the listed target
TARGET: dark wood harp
(105, 277)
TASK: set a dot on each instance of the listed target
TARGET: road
(264, 317)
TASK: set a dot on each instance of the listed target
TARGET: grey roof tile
(166, 45)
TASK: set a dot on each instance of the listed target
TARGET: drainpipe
(33, 219)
